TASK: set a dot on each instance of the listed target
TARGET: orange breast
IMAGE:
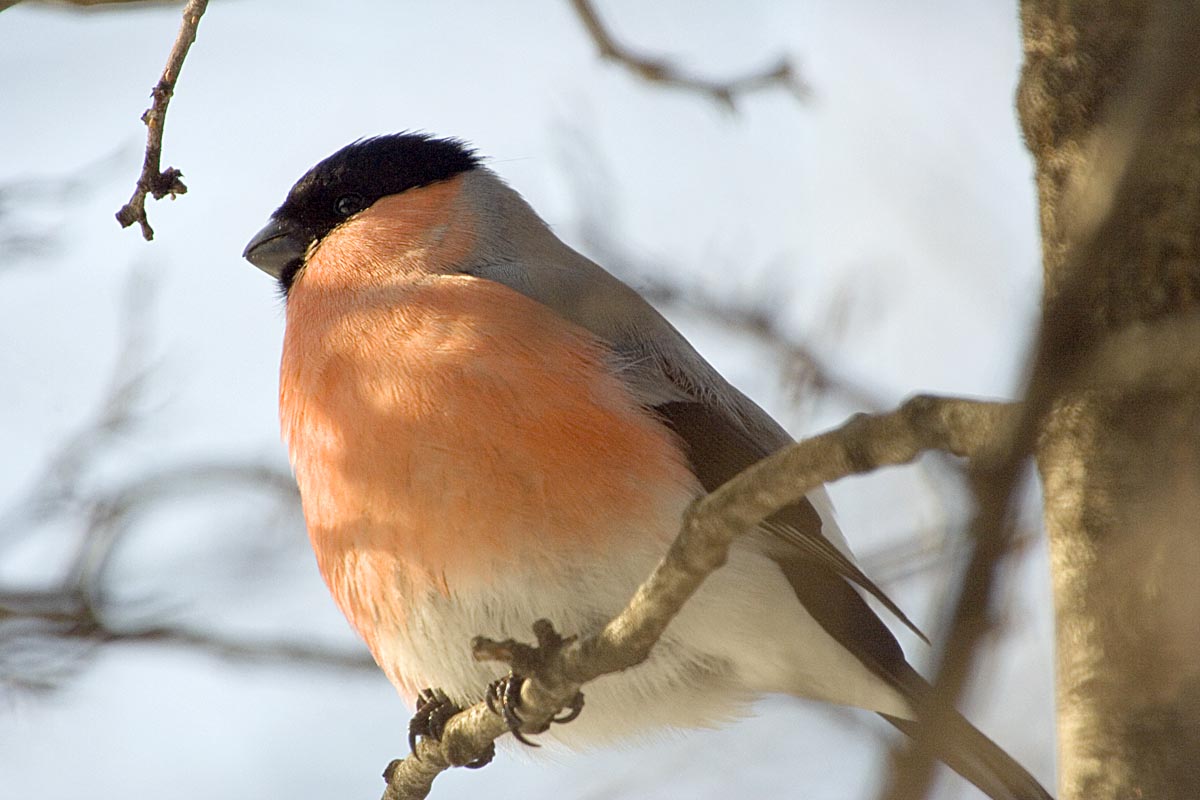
(442, 427)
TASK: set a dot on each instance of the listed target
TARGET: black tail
(981, 761)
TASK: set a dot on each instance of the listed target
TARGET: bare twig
(968, 428)
(656, 70)
(154, 180)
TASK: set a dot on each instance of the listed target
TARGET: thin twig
(656, 70)
(154, 180)
(969, 428)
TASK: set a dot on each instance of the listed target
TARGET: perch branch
(968, 428)
(154, 180)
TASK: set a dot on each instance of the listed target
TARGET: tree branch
(154, 180)
(558, 668)
(654, 70)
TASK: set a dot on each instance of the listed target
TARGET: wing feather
(719, 448)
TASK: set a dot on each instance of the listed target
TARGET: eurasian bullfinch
(487, 428)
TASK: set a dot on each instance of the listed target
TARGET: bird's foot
(504, 698)
(504, 695)
(434, 710)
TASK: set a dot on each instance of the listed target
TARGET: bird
(488, 428)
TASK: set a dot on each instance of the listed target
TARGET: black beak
(277, 247)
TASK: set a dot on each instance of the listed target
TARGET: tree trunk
(1111, 112)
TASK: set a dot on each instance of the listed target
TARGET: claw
(419, 724)
(504, 697)
(434, 710)
(520, 737)
(573, 711)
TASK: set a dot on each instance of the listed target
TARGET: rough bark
(1111, 112)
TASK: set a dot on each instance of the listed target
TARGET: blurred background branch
(661, 71)
(68, 615)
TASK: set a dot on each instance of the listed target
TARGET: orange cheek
(425, 230)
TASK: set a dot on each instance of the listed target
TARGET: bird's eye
(348, 204)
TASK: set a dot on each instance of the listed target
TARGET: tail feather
(981, 761)
(841, 611)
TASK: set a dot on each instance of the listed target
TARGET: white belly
(742, 634)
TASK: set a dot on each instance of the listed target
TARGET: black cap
(345, 183)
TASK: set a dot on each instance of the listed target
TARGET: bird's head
(345, 184)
